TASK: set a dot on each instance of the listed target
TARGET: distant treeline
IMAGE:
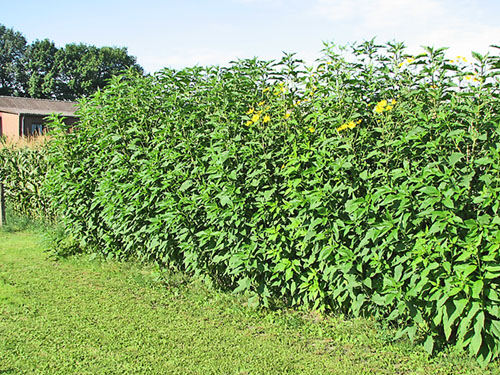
(42, 70)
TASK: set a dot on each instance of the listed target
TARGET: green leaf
(477, 288)
(429, 344)
(243, 284)
(225, 200)
(455, 158)
(186, 185)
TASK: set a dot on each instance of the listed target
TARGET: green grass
(88, 316)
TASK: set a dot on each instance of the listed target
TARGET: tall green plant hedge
(368, 184)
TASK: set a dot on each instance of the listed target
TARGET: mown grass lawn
(84, 316)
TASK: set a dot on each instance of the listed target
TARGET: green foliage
(83, 69)
(22, 171)
(41, 70)
(367, 185)
(12, 47)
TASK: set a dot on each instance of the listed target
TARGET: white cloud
(458, 24)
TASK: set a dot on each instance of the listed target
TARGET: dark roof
(32, 106)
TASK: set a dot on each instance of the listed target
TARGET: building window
(36, 129)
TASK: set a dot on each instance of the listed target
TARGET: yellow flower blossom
(287, 114)
(342, 127)
(261, 103)
(266, 89)
(408, 61)
(250, 111)
(266, 118)
(255, 117)
(348, 125)
(473, 78)
(280, 90)
(248, 123)
(383, 106)
(311, 129)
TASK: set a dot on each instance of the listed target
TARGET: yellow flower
(267, 108)
(329, 63)
(342, 127)
(408, 61)
(311, 129)
(250, 111)
(266, 118)
(261, 103)
(348, 125)
(383, 106)
(287, 114)
(249, 122)
(266, 89)
(280, 90)
(472, 78)
(255, 117)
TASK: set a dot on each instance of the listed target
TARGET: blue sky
(188, 32)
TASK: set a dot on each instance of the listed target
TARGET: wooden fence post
(3, 220)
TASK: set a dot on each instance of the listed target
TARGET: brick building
(26, 116)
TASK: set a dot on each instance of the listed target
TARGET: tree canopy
(42, 70)
(12, 48)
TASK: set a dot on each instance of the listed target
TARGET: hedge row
(368, 184)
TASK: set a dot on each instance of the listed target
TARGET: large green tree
(83, 69)
(12, 48)
(42, 70)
